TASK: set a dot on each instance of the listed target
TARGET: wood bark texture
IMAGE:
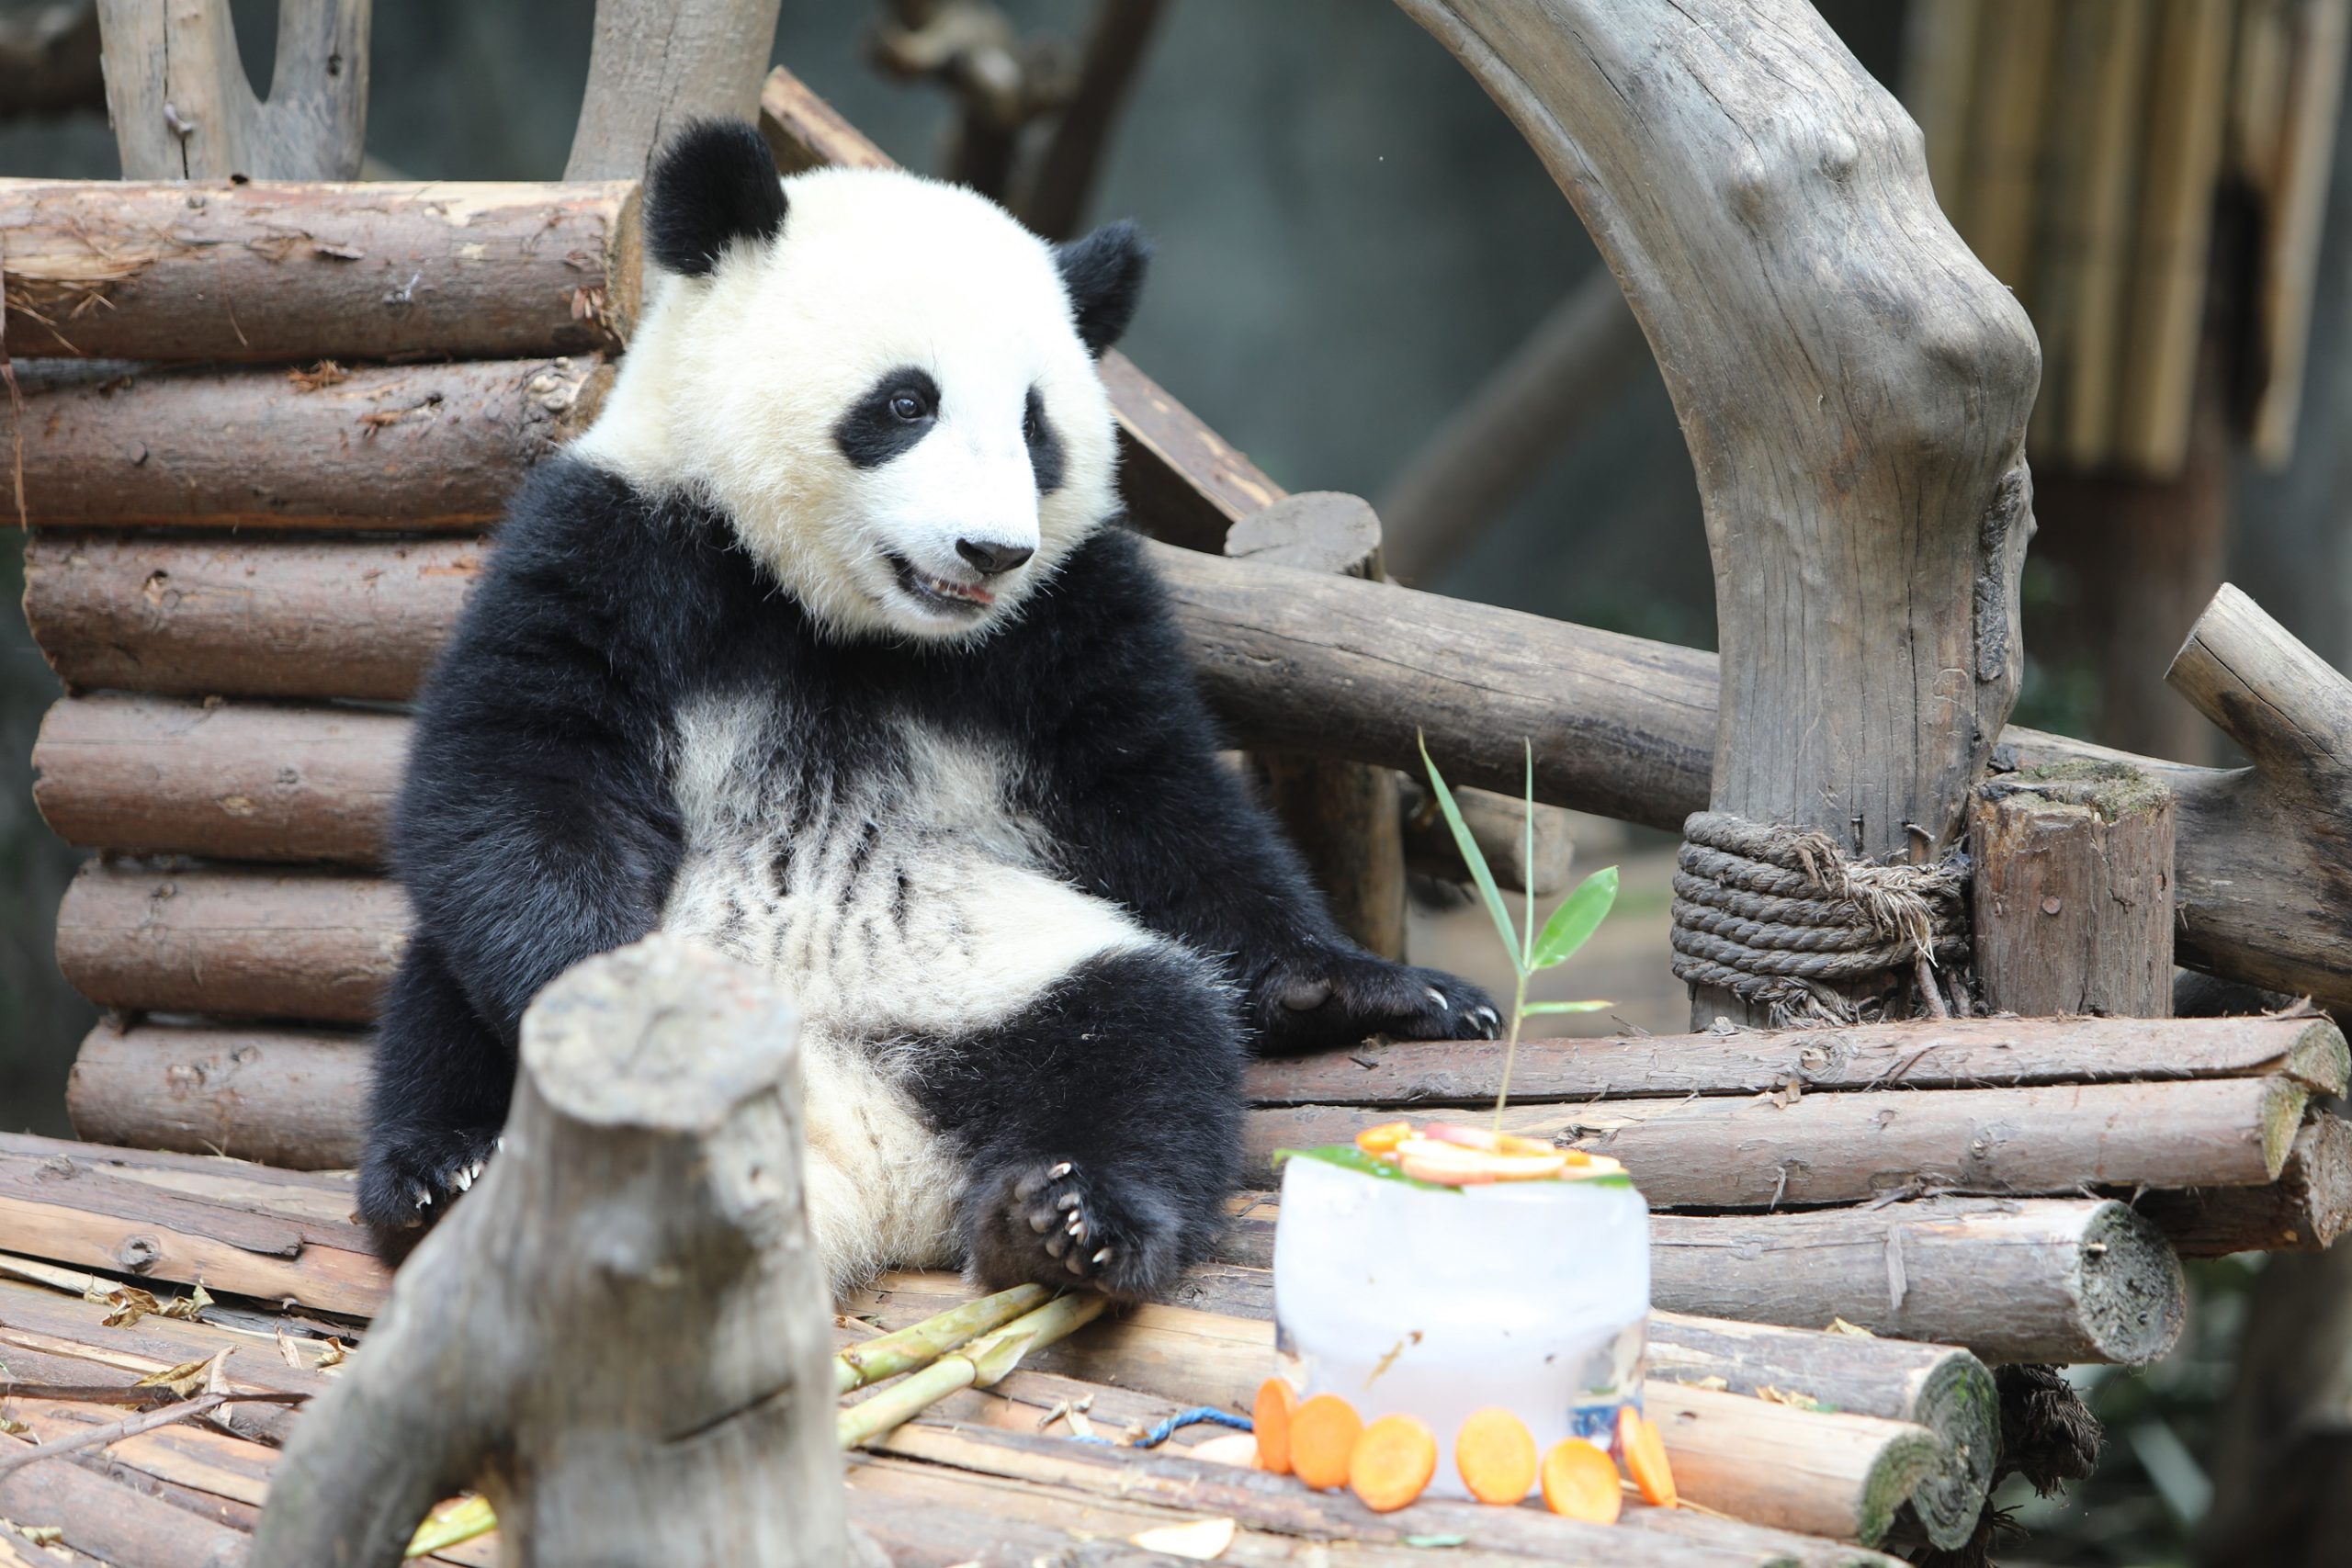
(437, 446)
(654, 65)
(1343, 816)
(183, 108)
(2072, 897)
(1719, 1153)
(229, 944)
(1853, 384)
(622, 1335)
(283, 271)
(233, 782)
(276, 1096)
(2304, 1211)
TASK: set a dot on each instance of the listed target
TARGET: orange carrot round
(1383, 1138)
(1271, 1416)
(1581, 1481)
(1322, 1436)
(1495, 1454)
(1391, 1461)
(1644, 1447)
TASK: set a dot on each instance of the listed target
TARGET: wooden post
(1853, 384)
(182, 109)
(656, 65)
(621, 1336)
(2073, 891)
(1345, 817)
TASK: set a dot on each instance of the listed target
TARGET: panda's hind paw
(1056, 1226)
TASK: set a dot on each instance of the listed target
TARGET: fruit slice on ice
(1452, 1165)
(1383, 1138)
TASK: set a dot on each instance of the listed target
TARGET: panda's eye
(907, 406)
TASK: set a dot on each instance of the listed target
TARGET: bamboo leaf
(1578, 915)
(1566, 1006)
(1472, 859)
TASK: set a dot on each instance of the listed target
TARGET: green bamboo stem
(463, 1523)
(978, 1365)
(920, 1344)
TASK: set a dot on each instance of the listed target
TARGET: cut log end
(2133, 1300)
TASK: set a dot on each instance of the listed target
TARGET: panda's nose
(993, 559)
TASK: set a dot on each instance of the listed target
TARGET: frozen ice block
(1530, 1295)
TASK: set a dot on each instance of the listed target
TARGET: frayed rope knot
(1781, 917)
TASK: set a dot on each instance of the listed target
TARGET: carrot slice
(1269, 1414)
(1391, 1462)
(1322, 1436)
(1581, 1481)
(1383, 1138)
(1644, 1447)
(1495, 1454)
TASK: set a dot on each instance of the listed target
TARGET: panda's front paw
(410, 1176)
(1339, 999)
(1058, 1223)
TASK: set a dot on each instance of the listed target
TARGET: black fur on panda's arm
(534, 827)
(1159, 824)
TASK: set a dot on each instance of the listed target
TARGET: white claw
(1103, 1256)
(424, 1197)
(464, 1179)
(1077, 1226)
(501, 1145)
(1489, 1015)
(1439, 998)
(1067, 1200)
(1059, 1171)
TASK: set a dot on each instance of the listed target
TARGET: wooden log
(2064, 1281)
(276, 1096)
(1182, 483)
(1851, 1148)
(1498, 823)
(2070, 902)
(434, 447)
(205, 617)
(2304, 1211)
(654, 65)
(1865, 685)
(1345, 817)
(1952, 1053)
(114, 1523)
(182, 107)
(231, 944)
(271, 270)
(636, 1264)
(147, 773)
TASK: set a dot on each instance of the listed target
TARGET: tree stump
(621, 1336)
(2073, 895)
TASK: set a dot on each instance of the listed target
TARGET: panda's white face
(889, 397)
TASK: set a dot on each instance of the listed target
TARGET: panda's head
(886, 383)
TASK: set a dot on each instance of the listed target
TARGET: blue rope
(1200, 1414)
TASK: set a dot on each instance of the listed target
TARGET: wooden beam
(271, 270)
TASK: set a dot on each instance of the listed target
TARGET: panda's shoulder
(1108, 591)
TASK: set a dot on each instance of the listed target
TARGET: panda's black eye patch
(1044, 447)
(897, 410)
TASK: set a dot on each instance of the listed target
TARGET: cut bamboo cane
(919, 1345)
(1845, 1149)
(431, 447)
(282, 270)
(982, 1363)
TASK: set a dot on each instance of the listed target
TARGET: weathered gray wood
(276, 270)
(1721, 1153)
(1766, 204)
(654, 65)
(183, 108)
(1345, 817)
(2063, 1281)
(429, 446)
(1980, 1053)
(231, 944)
(2304, 1211)
(2072, 897)
(278, 1097)
(636, 1266)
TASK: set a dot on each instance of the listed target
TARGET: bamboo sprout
(978, 1365)
(920, 1344)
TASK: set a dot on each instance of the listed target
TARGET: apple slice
(1451, 1164)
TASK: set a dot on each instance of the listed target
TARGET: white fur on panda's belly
(943, 926)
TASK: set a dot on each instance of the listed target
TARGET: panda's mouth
(963, 600)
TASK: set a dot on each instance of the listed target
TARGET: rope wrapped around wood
(1784, 919)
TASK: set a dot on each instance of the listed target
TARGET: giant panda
(823, 646)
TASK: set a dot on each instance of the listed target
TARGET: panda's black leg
(442, 1083)
(1102, 1127)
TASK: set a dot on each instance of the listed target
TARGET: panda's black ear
(1104, 273)
(714, 184)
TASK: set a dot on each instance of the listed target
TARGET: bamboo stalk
(978, 1365)
(905, 1349)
